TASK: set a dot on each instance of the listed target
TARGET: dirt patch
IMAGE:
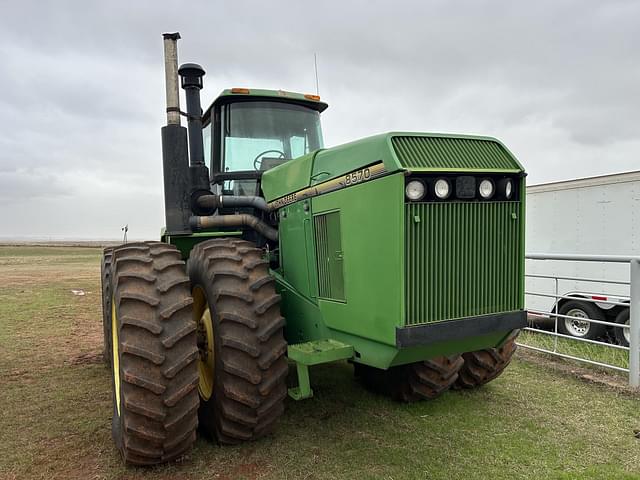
(245, 470)
(21, 375)
(88, 358)
(78, 463)
(86, 327)
(29, 275)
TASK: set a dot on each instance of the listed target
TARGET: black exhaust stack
(191, 78)
(175, 160)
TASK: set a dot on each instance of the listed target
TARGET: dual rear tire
(428, 379)
(157, 345)
(243, 386)
(424, 380)
(482, 366)
(153, 354)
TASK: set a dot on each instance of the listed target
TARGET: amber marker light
(315, 98)
(240, 90)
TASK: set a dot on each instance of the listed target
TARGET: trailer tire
(105, 275)
(622, 334)
(576, 328)
(482, 366)
(424, 380)
(235, 297)
(154, 353)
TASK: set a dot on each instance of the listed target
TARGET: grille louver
(444, 153)
(462, 260)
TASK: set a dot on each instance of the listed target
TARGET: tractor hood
(389, 152)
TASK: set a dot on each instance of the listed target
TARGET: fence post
(634, 324)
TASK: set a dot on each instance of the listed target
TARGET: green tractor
(401, 253)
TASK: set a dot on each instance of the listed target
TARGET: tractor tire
(242, 389)
(154, 360)
(105, 274)
(424, 380)
(482, 366)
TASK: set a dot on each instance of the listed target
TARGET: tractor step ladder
(314, 353)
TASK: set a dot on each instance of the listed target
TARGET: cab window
(260, 135)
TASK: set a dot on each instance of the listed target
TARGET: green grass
(531, 422)
(598, 353)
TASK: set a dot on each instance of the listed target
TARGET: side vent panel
(329, 256)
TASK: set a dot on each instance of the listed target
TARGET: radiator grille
(462, 259)
(442, 153)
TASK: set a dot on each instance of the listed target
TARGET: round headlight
(486, 189)
(415, 190)
(508, 189)
(442, 188)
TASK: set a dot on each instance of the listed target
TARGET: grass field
(598, 353)
(533, 422)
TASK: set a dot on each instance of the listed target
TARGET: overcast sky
(82, 88)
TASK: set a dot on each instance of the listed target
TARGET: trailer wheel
(579, 328)
(424, 380)
(105, 274)
(242, 366)
(482, 366)
(154, 353)
(622, 334)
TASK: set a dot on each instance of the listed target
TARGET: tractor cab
(247, 132)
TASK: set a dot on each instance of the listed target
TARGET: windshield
(260, 135)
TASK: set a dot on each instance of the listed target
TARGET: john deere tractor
(401, 253)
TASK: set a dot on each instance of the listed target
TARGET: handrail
(634, 304)
(582, 258)
(577, 279)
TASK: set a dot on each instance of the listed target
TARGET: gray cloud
(81, 87)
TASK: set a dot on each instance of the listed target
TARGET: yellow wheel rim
(204, 324)
(115, 358)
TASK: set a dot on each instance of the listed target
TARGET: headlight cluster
(442, 189)
(463, 187)
(486, 188)
(415, 190)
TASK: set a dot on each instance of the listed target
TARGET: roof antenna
(315, 63)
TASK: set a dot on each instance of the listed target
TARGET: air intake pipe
(191, 78)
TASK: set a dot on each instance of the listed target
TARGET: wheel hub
(577, 328)
(205, 342)
(201, 339)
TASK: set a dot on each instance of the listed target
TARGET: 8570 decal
(357, 176)
(341, 181)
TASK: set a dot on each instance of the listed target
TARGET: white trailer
(590, 216)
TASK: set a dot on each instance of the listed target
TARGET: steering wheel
(257, 162)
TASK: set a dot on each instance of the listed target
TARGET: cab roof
(232, 95)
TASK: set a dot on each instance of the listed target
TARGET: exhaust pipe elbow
(213, 202)
(239, 220)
